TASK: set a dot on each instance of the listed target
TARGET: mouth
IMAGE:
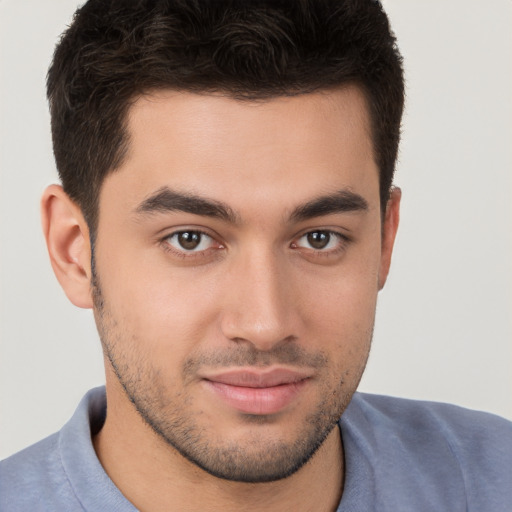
(258, 392)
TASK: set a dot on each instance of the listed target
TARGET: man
(227, 211)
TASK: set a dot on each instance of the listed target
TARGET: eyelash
(341, 246)
(165, 242)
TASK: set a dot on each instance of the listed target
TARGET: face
(237, 264)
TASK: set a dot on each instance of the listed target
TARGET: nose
(260, 308)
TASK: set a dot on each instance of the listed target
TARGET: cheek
(345, 326)
(340, 311)
(344, 296)
(159, 309)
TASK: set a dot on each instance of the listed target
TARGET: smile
(258, 393)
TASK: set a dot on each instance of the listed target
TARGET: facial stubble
(259, 458)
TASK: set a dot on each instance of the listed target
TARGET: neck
(154, 476)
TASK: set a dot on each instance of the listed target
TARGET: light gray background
(444, 326)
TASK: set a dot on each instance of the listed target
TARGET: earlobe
(389, 229)
(67, 240)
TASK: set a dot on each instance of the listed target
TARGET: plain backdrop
(444, 327)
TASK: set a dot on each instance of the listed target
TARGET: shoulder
(30, 479)
(62, 472)
(31, 462)
(449, 419)
(456, 425)
(57, 473)
(456, 451)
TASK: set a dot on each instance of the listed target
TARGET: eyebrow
(343, 201)
(167, 200)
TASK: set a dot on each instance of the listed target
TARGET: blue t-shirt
(400, 455)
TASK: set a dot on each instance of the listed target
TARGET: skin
(256, 295)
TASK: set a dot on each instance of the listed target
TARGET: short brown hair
(116, 50)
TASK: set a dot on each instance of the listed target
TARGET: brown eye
(318, 239)
(321, 240)
(190, 241)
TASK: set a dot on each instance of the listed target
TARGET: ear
(67, 239)
(389, 229)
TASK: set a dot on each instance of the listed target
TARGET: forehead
(234, 150)
(207, 119)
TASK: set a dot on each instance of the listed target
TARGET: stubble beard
(259, 459)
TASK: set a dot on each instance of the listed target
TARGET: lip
(258, 392)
